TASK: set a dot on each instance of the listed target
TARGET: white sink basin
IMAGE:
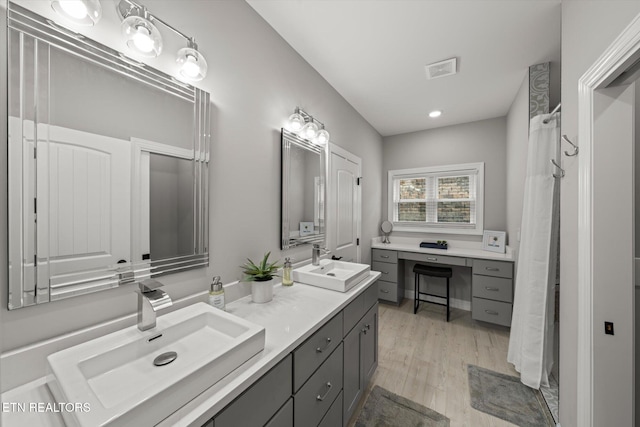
(115, 374)
(335, 275)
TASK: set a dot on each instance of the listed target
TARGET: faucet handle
(149, 285)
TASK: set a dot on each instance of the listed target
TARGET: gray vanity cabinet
(492, 289)
(360, 359)
(320, 382)
(256, 406)
(390, 287)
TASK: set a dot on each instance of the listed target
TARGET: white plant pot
(262, 292)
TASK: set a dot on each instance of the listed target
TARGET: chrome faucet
(150, 300)
(315, 253)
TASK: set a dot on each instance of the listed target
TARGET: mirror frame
(21, 293)
(290, 139)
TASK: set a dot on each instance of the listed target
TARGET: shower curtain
(531, 338)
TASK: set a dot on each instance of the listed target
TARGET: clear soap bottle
(216, 294)
(286, 273)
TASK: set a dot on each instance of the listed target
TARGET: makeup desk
(492, 274)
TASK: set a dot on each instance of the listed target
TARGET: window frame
(439, 171)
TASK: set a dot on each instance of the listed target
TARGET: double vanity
(304, 358)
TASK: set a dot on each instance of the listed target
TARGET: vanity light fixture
(307, 127)
(435, 113)
(80, 12)
(139, 27)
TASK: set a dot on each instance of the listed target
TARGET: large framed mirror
(107, 166)
(303, 191)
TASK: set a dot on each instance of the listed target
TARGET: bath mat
(386, 409)
(505, 397)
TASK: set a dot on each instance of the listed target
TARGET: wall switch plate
(608, 328)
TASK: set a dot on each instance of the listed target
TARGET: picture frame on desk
(494, 241)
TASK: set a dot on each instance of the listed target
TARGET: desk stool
(428, 270)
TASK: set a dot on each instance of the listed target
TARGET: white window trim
(440, 229)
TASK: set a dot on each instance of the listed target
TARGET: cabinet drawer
(496, 288)
(370, 296)
(312, 402)
(493, 268)
(309, 355)
(434, 258)
(389, 271)
(388, 291)
(334, 414)
(243, 411)
(284, 417)
(491, 311)
(383, 255)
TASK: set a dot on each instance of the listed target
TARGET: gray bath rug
(505, 397)
(386, 409)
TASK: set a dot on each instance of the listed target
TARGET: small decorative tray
(434, 245)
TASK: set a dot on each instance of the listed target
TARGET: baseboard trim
(460, 304)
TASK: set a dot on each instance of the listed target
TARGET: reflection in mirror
(107, 167)
(303, 191)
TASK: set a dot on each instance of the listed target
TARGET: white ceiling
(373, 52)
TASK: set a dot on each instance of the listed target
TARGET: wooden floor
(424, 358)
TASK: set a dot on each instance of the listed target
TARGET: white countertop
(456, 248)
(293, 315)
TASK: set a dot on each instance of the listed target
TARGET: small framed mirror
(387, 228)
(303, 191)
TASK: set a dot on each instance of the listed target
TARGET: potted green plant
(261, 276)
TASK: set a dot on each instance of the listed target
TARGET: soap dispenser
(286, 273)
(216, 294)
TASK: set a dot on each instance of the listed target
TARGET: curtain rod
(555, 110)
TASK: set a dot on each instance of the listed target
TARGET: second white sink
(335, 275)
(117, 377)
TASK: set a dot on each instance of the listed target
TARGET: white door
(87, 191)
(343, 205)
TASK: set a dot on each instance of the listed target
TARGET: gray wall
(256, 80)
(481, 141)
(588, 28)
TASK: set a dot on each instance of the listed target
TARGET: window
(441, 199)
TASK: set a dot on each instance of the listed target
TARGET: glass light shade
(192, 64)
(322, 137)
(142, 36)
(296, 122)
(309, 131)
(80, 12)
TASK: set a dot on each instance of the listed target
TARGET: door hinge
(35, 260)
(358, 241)
(35, 205)
(35, 153)
(358, 180)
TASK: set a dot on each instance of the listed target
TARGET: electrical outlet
(608, 328)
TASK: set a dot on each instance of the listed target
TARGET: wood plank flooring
(424, 358)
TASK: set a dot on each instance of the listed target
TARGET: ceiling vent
(442, 68)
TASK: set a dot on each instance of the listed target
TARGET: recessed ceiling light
(435, 114)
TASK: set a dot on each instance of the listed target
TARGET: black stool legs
(426, 270)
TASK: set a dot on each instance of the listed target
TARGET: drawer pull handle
(432, 259)
(489, 288)
(384, 291)
(366, 328)
(320, 350)
(492, 269)
(384, 256)
(321, 398)
(491, 312)
(385, 272)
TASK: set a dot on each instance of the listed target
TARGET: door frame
(622, 53)
(335, 149)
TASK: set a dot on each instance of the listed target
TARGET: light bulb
(434, 114)
(322, 138)
(74, 8)
(141, 38)
(80, 12)
(296, 122)
(309, 131)
(192, 64)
